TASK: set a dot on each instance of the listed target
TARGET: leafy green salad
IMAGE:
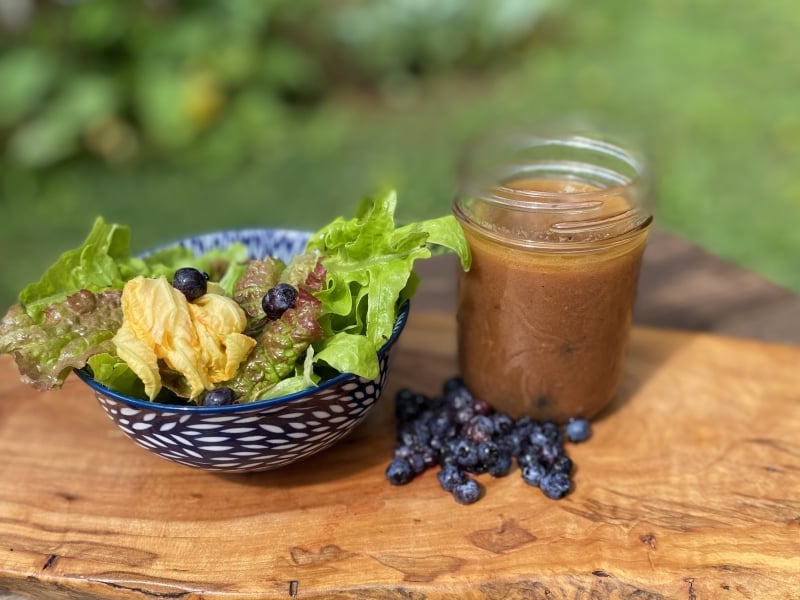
(258, 328)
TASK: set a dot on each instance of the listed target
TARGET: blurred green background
(182, 117)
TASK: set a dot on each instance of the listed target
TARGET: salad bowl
(254, 436)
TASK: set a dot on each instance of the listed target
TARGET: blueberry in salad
(191, 282)
(278, 300)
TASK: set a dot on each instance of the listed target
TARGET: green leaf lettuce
(370, 262)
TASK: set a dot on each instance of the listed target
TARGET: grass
(708, 87)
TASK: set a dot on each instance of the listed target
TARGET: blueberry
(450, 476)
(578, 430)
(452, 384)
(523, 430)
(562, 463)
(488, 453)
(221, 396)
(548, 453)
(442, 426)
(429, 456)
(525, 425)
(479, 428)
(503, 424)
(417, 462)
(552, 432)
(190, 282)
(460, 399)
(512, 442)
(408, 404)
(278, 300)
(467, 492)
(501, 466)
(414, 435)
(439, 446)
(533, 473)
(466, 453)
(481, 407)
(529, 456)
(463, 415)
(555, 485)
(539, 436)
(403, 451)
(478, 468)
(399, 472)
(422, 431)
(447, 458)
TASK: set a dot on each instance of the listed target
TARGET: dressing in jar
(557, 227)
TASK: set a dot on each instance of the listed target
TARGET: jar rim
(608, 170)
(522, 142)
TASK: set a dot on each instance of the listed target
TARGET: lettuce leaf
(114, 373)
(64, 336)
(94, 266)
(304, 378)
(282, 343)
(104, 262)
(224, 265)
(71, 313)
(258, 277)
(370, 262)
(349, 353)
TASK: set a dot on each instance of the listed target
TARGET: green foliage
(394, 37)
(216, 80)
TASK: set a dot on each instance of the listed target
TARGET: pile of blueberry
(464, 436)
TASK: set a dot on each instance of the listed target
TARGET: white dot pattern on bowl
(280, 243)
(249, 441)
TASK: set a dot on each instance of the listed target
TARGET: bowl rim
(83, 374)
(245, 231)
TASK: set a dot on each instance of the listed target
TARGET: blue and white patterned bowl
(257, 436)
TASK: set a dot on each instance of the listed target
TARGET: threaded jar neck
(567, 193)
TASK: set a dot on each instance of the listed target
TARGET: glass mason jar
(557, 227)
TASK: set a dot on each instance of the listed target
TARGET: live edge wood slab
(689, 488)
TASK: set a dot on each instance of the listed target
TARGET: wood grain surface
(689, 488)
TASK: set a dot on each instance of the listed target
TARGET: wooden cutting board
(689, 488)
